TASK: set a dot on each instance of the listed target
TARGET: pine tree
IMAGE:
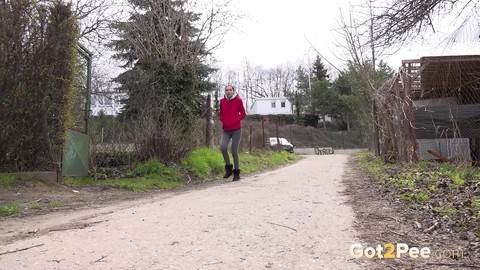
(166, 76)
(319, 70)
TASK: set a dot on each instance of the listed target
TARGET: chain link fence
(430, 110)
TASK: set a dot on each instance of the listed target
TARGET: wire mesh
(430, 109)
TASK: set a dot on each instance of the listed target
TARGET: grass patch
(10, 209)
(207, 163)
(141, 177)
(151, 167)
(373, 165)
(35, 206)
(476, 202)
(447, 211)
(6, 180)
(55, 204)
(202, 163)
(439, 188)
(258, 160)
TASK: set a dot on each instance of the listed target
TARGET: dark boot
(228, 171)
(236, 174)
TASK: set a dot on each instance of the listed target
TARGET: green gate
(75, 154)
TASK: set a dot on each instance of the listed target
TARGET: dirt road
(290, 218)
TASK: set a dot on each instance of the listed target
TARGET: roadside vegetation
(449, 195)
(10, 209)
(201, 165)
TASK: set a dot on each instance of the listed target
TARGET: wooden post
(376, 135)
(251, 132)
(411, 117)
(263, 132)
(208, 118)
(279, 146)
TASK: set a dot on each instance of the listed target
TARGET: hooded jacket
(232, 112)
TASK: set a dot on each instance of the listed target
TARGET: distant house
(109, 104)
(271, 105)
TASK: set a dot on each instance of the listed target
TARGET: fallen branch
(438, 156)
(397, 233)
(455, 264)
(383, 217)
(21, 249)
(76, 226)
(213, 263)
(433, 227)
(282, 226)
(418, 224)
(356, 222)
(103, 257)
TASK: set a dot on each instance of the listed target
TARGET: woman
(232, 112)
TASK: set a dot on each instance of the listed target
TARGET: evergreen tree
(166, 76)
(298, 97)
(359, 98)
(319, 70)
(341, 86)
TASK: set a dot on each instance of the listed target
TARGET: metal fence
(255, 135)
(430, 109)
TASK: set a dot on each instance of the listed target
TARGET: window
(274, 104)
(282, 104)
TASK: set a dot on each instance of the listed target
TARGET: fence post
(291, 138)
(361, 138)
(331, 139)
(311, 138)
(278, 140)
(263, 133)
(208, 136)
(343, 141)
(251, 131)
(376, 132)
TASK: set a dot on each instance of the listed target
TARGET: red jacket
(231, 113)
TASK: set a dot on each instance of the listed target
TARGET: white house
(271, 105)
(110, 103)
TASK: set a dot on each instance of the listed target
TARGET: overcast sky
(277, 32)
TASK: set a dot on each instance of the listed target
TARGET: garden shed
(432, 106)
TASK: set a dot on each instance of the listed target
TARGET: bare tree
(363, 50)
(173, 39)
(95, 17)
(404, 20)
(273, 82)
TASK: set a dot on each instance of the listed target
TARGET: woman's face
(229, 91)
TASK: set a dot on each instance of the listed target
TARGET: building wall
(271, 106)
(110, 104)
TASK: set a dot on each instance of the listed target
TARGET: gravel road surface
(294, 217)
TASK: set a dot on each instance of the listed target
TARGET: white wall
(110, 104)
(263, 106)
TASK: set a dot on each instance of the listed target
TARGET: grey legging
(235, 135)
